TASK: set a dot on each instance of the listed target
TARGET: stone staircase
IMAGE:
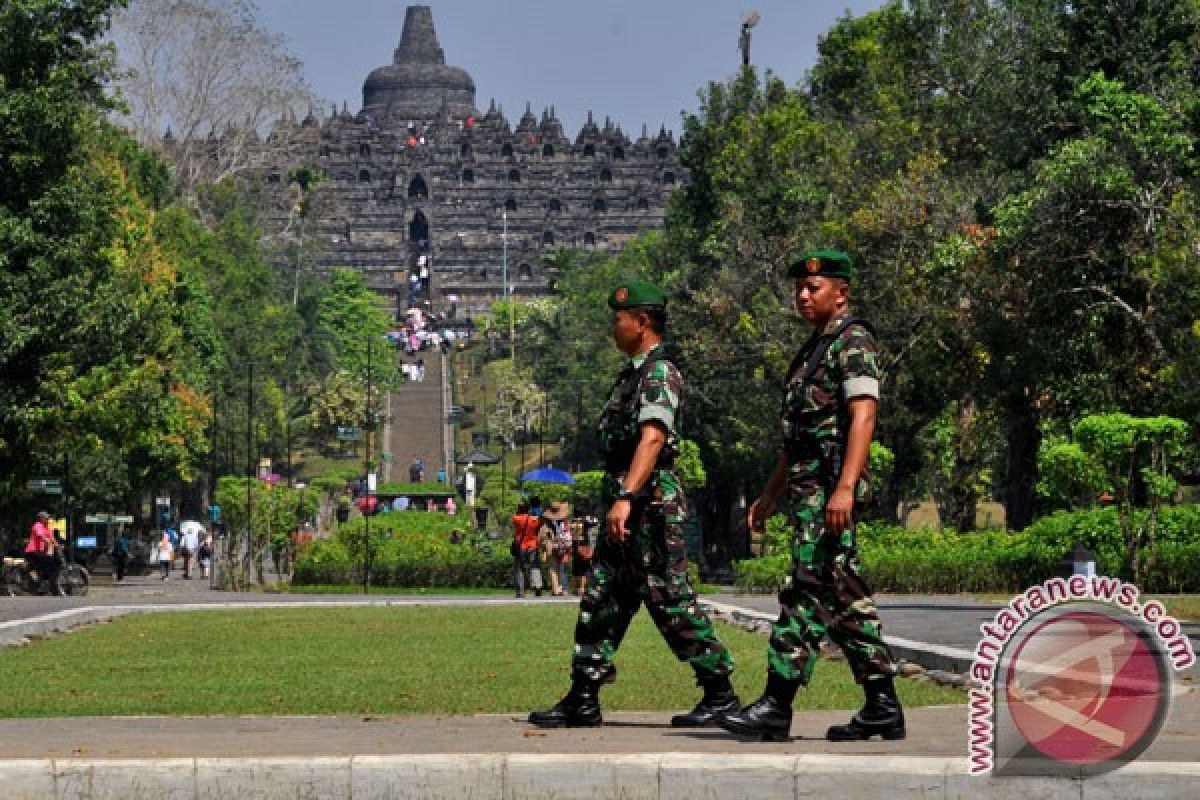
(417, 426)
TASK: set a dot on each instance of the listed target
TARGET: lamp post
(249, 449)
(369, 425)
(512, 335)
(212, 453)
(748, 22)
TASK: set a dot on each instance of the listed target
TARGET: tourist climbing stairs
(416, 428)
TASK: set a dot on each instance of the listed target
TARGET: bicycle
(17, 578)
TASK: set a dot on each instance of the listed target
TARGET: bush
(409, 549)
(928, 560)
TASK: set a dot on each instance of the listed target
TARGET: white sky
(638, 61)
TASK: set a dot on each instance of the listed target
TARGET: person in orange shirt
(525, 550)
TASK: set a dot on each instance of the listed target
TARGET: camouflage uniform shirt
(635, 400)
(815, 412)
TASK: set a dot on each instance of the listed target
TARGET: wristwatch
(624, 494)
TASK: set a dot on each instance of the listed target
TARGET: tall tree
(206, 71)
(92, 363)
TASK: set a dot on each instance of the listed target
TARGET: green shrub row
(928, 560)
(409, 549)
(469, 568)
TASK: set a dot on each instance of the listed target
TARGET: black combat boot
(881, 715)
(580, 708)
(718, 698)
(768, 718)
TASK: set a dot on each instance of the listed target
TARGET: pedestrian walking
(525, 551)
(120, 554)
(641, 558)
(828, 419)
(204, 556)
(166, 554)
(190, 532)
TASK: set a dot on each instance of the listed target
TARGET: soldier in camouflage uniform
(641, 559)
(828, 415)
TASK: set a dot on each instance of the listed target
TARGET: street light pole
(249, 451)
(512, 336)
(370, 425)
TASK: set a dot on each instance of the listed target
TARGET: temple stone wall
(419, 170)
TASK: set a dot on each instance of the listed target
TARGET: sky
(637, 61)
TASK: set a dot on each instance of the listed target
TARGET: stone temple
(420, 171)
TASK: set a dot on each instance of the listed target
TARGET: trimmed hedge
(928, 560)
(416, 554)
(326, 562)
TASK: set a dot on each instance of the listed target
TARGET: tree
(355, 319)
(1068, 477)
(206, 72)
(275, 511)
(93, 366)
(519, 403)
(1136, 452)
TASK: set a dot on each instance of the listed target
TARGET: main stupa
(418, 84)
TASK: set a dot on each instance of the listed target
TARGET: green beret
(826, 263)
(636, 294)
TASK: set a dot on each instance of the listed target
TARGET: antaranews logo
(1072, 677)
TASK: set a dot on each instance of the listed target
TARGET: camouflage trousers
(649, 568)
(824, 595)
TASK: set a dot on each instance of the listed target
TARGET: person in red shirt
(41, 552)
(525, 550)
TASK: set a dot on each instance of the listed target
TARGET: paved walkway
(633, 755)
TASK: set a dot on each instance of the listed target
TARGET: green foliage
(274, 513)
(1068, 477)
(589, 487)
(927, 560)
(355, 318)
(690, 466)
(415, 489)
(1130, 450)
(408, 549)
(103, 341)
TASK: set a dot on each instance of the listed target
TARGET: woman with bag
(166, 554)
(552, 546)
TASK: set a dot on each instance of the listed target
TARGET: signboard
(372, 482)
(45, 486)
(85, 542)
(108, 519)
(348, 433)
(162, 502)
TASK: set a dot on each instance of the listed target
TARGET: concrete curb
(930, 656)
(670, 776)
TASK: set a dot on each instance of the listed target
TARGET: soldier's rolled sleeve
(660, 396)
(858, 359)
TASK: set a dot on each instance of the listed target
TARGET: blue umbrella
(548, 475)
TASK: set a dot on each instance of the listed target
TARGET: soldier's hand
(838, 510)
(760, 510)
(618, 516)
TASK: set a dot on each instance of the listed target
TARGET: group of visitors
(551, 544)
(189, 544)
(419, 328)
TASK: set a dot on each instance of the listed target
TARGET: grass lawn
(1182, 606)
(367, 661)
